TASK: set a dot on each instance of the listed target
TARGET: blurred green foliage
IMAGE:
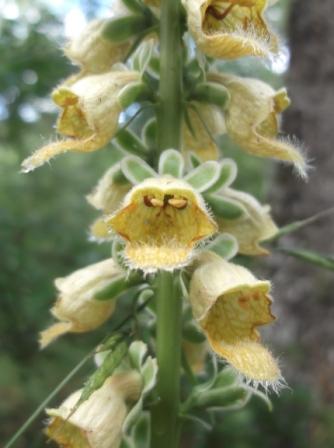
(44, 221)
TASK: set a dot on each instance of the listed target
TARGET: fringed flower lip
(229, 304)
(90, 108)
(162, 220)
(253, 119)
(230, 29)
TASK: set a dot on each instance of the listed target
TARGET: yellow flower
(90, 109)
(229, 303)
(107, 197)
(92, 52)
(206, 121)
(252, 119)
(254, 226)
(76, 308)
(230, 29)
(97, 423)
(162, 220)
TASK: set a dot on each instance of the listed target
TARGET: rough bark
(304, 294)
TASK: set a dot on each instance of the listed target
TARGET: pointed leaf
(136, 170)
(204, 176)
(296, 225)
(171, 162)
(109, 365)
(309, 256)
(225, 245)
(128, 141)
(224, 208)
(228, 173)
(192, 333)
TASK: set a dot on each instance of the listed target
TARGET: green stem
(165, 413)
(169, 304)
(170, 110)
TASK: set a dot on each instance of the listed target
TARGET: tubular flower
(162, 220)
(230, 303)
(252, 119)
(92, 52)
(254, 226)
(107, 197)
(76, 308)
(97, 423)
(90, 109)
(230, 29)
(206, 122)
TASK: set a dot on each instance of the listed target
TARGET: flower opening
(162, 220)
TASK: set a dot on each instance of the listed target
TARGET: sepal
(124, 28)
(225, 245)
(128, 141)
(212, 93)
(132, 93)
(136, 170)
(171, 162)
(204, 176)
(228, 174)
(224, 208)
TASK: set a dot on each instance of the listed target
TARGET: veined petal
(229, 303)
(252, 119)
(230, 29)
(162, 220)
(254, 226)
(89, 114)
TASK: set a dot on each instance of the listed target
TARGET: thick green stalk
(169, 304)
(165, 413)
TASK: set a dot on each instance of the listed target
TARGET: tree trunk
(304, 293)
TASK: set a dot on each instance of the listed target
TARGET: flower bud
(229, 303)
(92, 51)
(252, 119)
(76, 307)
(253, 226)
(97, 423)
(90, 109)
(230, 29)
(162, 219)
